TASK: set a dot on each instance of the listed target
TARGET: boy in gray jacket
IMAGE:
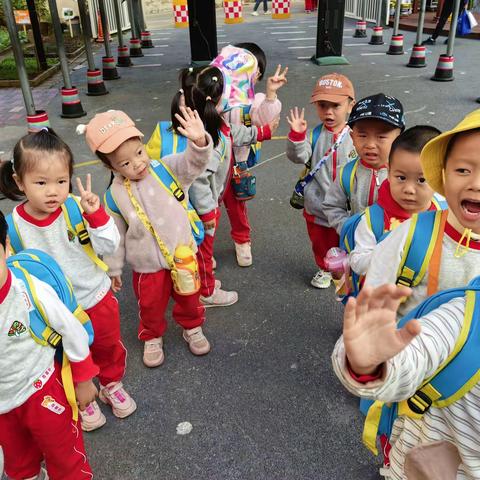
(375, 121)
(327, 147)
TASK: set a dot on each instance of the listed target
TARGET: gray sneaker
(321, 279)
(220, 298)
(254, 13)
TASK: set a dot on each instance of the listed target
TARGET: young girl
(41, 171)
(158, 224)
(264, 109)
(208, 190)
(36, 421)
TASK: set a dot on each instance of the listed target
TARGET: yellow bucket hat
(433, 154)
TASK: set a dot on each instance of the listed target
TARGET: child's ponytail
(8, 186)
(183, 97)
(206, 95)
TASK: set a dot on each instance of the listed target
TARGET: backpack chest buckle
(420, 403)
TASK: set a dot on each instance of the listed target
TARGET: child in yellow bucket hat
(434, 251)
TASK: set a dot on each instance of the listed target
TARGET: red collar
(225, 129)
(367, 165)
(45, 222)
(6, 287)
(391, 207)
(456, 236)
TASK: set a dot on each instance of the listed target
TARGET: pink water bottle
(336, 261)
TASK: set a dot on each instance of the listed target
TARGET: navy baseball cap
(379, 107)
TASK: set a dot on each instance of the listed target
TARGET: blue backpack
(454, 378)
(73, 214)
(35, 263)
(167, 180)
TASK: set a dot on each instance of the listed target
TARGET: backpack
(168, 181)
(255, 150)
(374, 216)
(39, 264)
(165, 141)
(72, 212)
(453, 379)
(347, 178)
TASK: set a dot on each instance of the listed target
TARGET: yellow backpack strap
(370, 428)
(154, 145)
(79, 229)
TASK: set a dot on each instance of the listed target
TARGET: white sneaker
(255, 14)
(267, 12)
(220, 298)
(244, 254)
(321, 279)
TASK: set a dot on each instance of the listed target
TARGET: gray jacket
(207, 190)
(335, 204)
(301, 151)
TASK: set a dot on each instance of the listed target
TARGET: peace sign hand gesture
(297, 120)
(277, 81)
(89, 201)
(191, 126)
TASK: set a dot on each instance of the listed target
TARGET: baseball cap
(380, 107)
(432, 157)
(107, 131)
(333, 87)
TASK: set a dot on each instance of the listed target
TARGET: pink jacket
(166, 214)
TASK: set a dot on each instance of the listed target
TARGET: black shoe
(429, 41)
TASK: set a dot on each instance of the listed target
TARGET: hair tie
(208, 98)
(81, 129)
(214, 79)
(180, 90)
(190, 70)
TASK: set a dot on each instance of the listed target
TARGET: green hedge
(8, 67)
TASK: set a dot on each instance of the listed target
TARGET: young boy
(404, 193)
(334, 98)
(376, 360)
(375, 121)
(35, 417)
(451, 164)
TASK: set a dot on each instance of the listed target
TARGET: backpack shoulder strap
(314, 136)
(110, 202)
(72, 213)
(245, 116)
(439, 202)
(166, 178)
(347, 235)
(347, 177)
(14, 234)
(417, 252)
(154, 144)
(171, 141)
(374, 216)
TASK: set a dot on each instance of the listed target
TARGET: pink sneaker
(92, 417)
(121, 402)
(153, 355)
(197, 341)
(244, 254)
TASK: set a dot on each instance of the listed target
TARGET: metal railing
(353, 9)
(112, 23)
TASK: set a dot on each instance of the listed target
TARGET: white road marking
(287, 33)
(148, 65)
(267, 160)
(153, 54)
(373, 53)
(301, 46)
(295, 39)
(281, 26)
(421, 109)
(354, 44)
(304, 58)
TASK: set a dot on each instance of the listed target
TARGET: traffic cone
(360, 29)
(99, 38)
(377, 36)
(146, 39)
(444, 70)
(71, 105)
(95, 84)
(396, 45)
(123, 57)
(37, 121)
(417, 58)
(109, 69)
(135, 48)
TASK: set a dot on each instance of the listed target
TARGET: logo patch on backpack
(70, 235)
(16, 329)
(352, 155)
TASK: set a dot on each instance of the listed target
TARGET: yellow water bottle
(186, 279)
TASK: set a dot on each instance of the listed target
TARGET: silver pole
(421, 21)
(133, 26)
(379, 13)
(396, 24)
(364, 10)
(142, 16)
(106, 32)
(453, 28)
(62, 56)
(118, 19)
(86, 31)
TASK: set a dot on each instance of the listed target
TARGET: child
(377, 360)
(404, 193)
(334, 98)
(264, 109)
(35, 417)
(207, 192)
(375, 121)
(449, 255)
(157, 224)
(41, 171)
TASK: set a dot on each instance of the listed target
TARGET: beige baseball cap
(333, 87)
(107, 131)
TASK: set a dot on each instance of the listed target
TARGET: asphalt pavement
(264, 404)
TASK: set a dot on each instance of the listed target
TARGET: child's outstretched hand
(297, 120)
(85, 393)
(192, 126)
(277, 81)
(89, 201)
(370, 333)
(116, 284)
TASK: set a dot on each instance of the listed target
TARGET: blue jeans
(257, 4)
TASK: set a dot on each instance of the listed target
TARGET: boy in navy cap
(375, 121)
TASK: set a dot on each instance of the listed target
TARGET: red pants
(108, 351)
(153, 292)
(205, 256)
(310, 5)
(322, 238)
(238, 216)
(32, 433)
